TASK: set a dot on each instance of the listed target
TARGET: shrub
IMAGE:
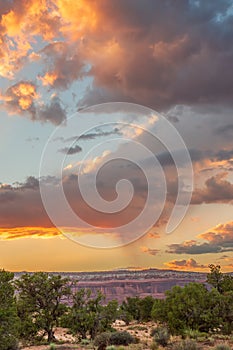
(222, 347)
(121, 338)
(194, 334)
(154, 346)
(52, 346)
(111, 347)
(102, 340)
(186, 345)
(161, 336)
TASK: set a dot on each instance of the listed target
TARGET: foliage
(137, 309)
(154, 346)
(194, 334)
(130, 309)
(145, 307)
(121, 338)
(161, 336)
(222, 347)
(102, 340)
(222, 282)
(9, 322)
(40, 302)
(88, 316)
(193, 307)
(186, 345)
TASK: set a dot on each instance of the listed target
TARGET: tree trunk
(51, 336)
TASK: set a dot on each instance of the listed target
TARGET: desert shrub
(186, 345)
(194, 334)
(52, 346)
(121, 338)
(85, 341)
(222, 347)
(102, 340)
(161, 336)
(154, 346)
(111, 347)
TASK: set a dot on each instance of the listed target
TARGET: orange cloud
(49, 78)
(190, 264)
(78, 17)
(221, 234)
(28, 232)
(20, 97)
(150, 251)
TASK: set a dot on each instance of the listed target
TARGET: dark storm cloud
(169, 52)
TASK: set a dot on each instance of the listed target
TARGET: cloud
(66, 65)
(216, 190)
(28, 232)
(150, 251)
(189, 264)
(219, 240)
(225, 130)
(20, 23)
(21, 204)
(156, 63)
(71, 150)
(22, 98)
(221, 235)
(52, 112)
(139, 57)
(193, 247)
(92, 135)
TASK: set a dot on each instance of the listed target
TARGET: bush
(161, 336)
(111, 347)
(193, 334)
(222, 347)
(121, 338)
(52, 346)
(154, 346)
(186, 345)
(102, 340)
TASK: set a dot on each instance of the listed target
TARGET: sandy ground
(141, 331)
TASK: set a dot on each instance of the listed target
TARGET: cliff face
(120, 290)
(120, 284)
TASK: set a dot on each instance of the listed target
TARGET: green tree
(222, 282)
(183, 308)
(130, 308)
(88, 315)
(40, 304)
(9, 322)
(215, 277)
(145, 308)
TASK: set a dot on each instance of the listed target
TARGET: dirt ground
(141, 331)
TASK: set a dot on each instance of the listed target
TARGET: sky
(116, 134)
